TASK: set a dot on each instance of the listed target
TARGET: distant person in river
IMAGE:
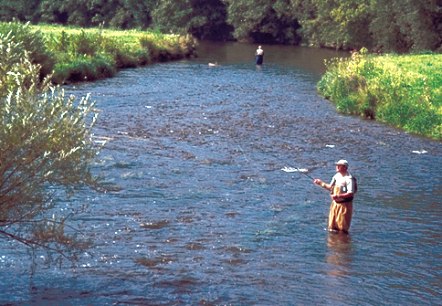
(342, 189)
(259, 54)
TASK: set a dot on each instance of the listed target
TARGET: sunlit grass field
(423, 70)
(404, 91)
(130, 38)
(82, 54)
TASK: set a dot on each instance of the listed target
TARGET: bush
(125, 59)
(85, 43)
(143, 57)
(46, 148)
(83, 68)
(33, 42)
(404, 91)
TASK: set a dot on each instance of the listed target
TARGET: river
(201, 213)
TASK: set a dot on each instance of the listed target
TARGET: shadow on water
(302, 58)
(201, 212)
(307, 59)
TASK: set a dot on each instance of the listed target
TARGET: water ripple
(200, 212)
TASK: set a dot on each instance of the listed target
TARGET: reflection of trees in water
(339, 254)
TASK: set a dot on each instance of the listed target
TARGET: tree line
(379, 25)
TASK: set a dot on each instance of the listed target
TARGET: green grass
(128, 38)
(404, 91)
(89, 54)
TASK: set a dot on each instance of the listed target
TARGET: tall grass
(89, 54)
(77, 54)
(404, 91)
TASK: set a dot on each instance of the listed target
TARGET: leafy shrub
(404, 91)
(33, 42)
(46, 145)
(86, 43)
(125, 59)
(84, 68)
(146, 43)
(143, 57)
(11, 55)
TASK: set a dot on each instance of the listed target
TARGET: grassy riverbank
(404, 91)
(77, 54)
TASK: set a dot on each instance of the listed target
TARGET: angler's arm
(322, 184)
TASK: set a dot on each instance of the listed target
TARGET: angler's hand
(321, 183)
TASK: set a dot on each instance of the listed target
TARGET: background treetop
(379, 25)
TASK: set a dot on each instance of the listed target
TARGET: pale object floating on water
(419, 152)
(329, 146)
(291, 169)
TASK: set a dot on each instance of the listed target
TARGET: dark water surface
(204, 215)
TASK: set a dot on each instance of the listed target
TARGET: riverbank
(404, 91)
(79, 54)
(89, 54)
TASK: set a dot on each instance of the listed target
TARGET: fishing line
(296, 169)
(244, 154)
(303, 171)
(285, 169)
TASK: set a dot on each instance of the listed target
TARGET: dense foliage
(46, 149)
(204, 19)
(380, 25)
(402, 90)
(33, 42)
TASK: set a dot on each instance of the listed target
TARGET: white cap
(342, 162)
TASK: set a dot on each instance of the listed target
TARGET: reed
(404, 91)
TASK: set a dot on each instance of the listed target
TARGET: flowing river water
(201, 213)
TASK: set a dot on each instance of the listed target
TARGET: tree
(200, 18)
(405, 26)
(20, 10)
(209, 20)
(123, 14)
(113, 13)
(132, 14)
(383, 25)
(53, 11)
(333, 23)
(263, 21)
(46, 149)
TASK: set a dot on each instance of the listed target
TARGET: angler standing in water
(259, 54)
(343, 186)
